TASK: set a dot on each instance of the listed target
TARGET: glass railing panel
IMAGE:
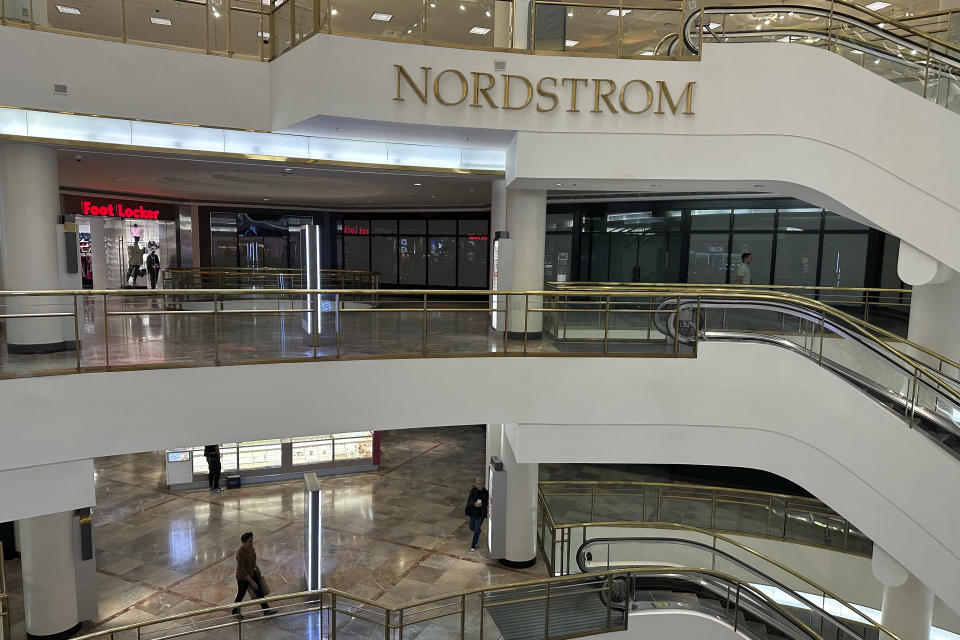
(569, 507)
(590, 30)
(461, 329)
(249, 29)
(38, 318)
(303, 22)
(740, 513)
(176, 23)
(17, 11)
(102, 18)
(808, 525)
(218, 27)
(395, 327)
(470, 23)
(257, 327)
(642, 29)
(281, 36)
(691, 510)
(612, 505)
(400, 20)
(859, 359)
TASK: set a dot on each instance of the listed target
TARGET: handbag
(258, 576)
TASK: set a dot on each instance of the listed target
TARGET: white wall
(824, 131)
(51, 488)
(129, 81)
(745, 405)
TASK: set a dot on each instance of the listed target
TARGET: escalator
(921, 63)
(738, 596)
(911, 383)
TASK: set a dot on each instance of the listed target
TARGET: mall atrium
(479, 319)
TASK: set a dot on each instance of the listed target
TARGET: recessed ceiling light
(486, 13)
(571, 43)
(382, 17)
(71, 10)
(570, 13)
(713, 25)
(647, 53)
(758, 27)
(462, 8)
(164, 21)
(266, 199)
(615, 12)
(333, 12)
(433, 5)
(882, 25)
(558, 184)
(876, 6)
(480, 31)
(418, 184)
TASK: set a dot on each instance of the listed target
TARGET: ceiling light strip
(25, 123)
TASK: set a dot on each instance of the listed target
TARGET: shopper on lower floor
(477, 503)
(153, 267)
(212, 453)
(248, 573)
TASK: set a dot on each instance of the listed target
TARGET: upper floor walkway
(737, 377)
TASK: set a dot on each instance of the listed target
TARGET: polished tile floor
(394, 536)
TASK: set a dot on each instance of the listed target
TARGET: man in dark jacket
(212, 453)
(477, 503)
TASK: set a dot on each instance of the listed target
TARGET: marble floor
(394, 536)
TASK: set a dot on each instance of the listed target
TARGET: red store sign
(119, 210)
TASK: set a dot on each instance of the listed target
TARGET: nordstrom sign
(452, 87)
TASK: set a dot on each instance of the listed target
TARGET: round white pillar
(527, 225)
(521, 509)
(29, 212)
(49, 576)
(907, 608)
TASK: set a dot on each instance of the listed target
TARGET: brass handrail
(755, 553)
(317, 596)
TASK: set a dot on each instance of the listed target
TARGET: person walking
(212, 453)
(743, 269)
(248, 574)
(153, 267)
(477, 503)
(134, 260)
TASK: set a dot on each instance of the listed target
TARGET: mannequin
(134, 260)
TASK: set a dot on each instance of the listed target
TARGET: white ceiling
(196, 179)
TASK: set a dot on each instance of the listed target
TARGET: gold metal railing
(466, 615)
(264, 30)
(566, 506)
(725, 551)
(925, 63)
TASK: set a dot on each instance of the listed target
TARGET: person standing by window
(212, 453)
(743, 269)
(477, 503)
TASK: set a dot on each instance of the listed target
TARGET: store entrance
(106, 246)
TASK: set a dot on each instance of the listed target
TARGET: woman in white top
(743, 269)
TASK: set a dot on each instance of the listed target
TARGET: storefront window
(472, 257)
(797, 259)
(753, 219)
(383, 256)
(443, 260)
(707, 262)
(413, 259)
(844, 260)
(799, 219)
(356, 253)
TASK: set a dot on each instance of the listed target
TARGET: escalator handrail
(864, 329)
(750, 568)
(754, 552)
(843, 17)
(687, 574)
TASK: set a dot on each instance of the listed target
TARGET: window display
(312, 450)
(260, 454)
(271, 460)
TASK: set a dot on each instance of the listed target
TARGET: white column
(29, 212)
(907, 608)
(935, 302)
(49, 575)
(527, 224)
(498, 215)
(521, 507)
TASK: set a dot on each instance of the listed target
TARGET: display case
(278, 460)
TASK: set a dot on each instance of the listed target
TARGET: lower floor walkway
(394, 536)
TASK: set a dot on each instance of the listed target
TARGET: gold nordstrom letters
(549, 90)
